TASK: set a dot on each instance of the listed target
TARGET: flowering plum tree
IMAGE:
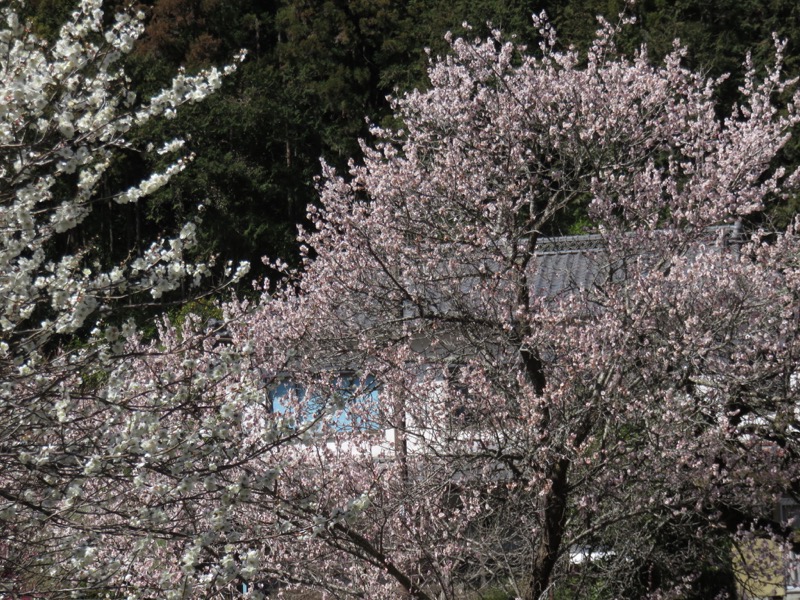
(115, 456)
(643, 418)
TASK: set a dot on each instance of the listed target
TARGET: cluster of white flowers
(65, 107)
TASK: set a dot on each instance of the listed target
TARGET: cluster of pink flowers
(657, 402)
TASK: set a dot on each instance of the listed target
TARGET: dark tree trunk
(554, 505)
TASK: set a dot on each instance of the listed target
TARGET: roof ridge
(567, 243)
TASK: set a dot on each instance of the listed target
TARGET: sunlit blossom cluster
(71, 410)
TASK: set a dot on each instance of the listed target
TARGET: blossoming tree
(110, 445)
(642, 421)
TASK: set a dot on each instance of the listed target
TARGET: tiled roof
(578, 262)
(568, 263)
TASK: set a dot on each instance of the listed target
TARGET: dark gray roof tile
(569, 263)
